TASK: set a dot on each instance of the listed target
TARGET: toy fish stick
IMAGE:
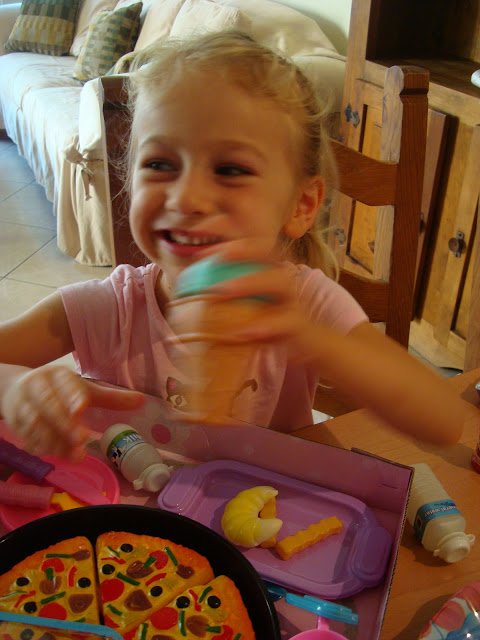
(306, 538)
(269, 510)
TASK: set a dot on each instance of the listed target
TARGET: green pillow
(111, 35)
(44, 26)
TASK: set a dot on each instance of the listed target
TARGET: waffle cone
(216, 369)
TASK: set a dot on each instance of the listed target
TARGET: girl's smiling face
(211, 163)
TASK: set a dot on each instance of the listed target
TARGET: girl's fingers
(44, 406)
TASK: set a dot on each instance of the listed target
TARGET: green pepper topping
(113, 551)
(238, 636)
(12, 593)
(143, 634)
(181, 623)
(116, 611)
(214, 629)
(49, 573)
(150, 560)
(56, 596)
(58, 555)
(127, 579)
(171, 556)
(81, 620)
(204, 593)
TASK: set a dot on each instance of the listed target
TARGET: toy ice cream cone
(216, 369)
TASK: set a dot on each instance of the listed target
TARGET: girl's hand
(281, 318)
(44, 407)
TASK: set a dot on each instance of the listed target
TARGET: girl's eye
(160, 165)
(232, 170)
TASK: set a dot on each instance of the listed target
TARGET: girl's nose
(191, 194)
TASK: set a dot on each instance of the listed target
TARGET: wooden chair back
(393, 184)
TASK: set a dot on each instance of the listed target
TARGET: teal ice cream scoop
(210, 271)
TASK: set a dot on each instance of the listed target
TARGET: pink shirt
(119, 336)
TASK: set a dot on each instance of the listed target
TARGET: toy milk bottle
(216, 370)
(138, 461)
(437, 522)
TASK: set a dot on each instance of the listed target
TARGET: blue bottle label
(121, 444)
(432, 510)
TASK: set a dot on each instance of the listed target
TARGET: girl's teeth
(195, 240)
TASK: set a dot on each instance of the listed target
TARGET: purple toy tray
(336, 567)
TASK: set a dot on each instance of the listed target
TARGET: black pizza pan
(92, 521)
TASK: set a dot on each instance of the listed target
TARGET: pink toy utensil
(41, 471)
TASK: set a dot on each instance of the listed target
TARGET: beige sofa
(57, 121)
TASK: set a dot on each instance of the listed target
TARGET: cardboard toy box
(383, 486)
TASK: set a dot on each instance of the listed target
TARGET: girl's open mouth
(187, 244)
(179, 237)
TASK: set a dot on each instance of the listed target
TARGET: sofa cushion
(44, 26)
(111, 35)
(282, 28)
(87, 12)
(22, 72)
(158, 22)
(203, 15)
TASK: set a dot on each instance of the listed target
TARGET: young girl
(227, 156)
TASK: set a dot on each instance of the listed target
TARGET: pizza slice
(214, 611)
(58, 582)
(139, 574)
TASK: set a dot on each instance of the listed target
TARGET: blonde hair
(241, 60)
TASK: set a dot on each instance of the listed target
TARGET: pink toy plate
(338, 566)
(91, 470)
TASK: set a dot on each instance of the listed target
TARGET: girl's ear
(306, 208)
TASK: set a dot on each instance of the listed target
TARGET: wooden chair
(393, 184)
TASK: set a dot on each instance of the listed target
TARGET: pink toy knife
(39, 470)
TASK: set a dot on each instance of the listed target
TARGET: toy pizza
(58, 582)
(141, 586)
(139, 574)
(214, 611)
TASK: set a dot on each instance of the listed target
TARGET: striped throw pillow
(44, 26)
(111, 35)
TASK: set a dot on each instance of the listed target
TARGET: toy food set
(181, 580)
(137, 460)
(23, 500)
(339, 565)
(367, 494)
(458, 618)
(40, 470)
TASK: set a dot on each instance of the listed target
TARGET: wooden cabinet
(442, 36)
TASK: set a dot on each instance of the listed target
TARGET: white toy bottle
(436, 520)
(138, 461)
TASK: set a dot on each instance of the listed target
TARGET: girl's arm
(376, 372)
(43, 402)
(368, 368)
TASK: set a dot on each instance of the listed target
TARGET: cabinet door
(447, 302)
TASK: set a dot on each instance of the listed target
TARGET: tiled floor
(31, 265)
